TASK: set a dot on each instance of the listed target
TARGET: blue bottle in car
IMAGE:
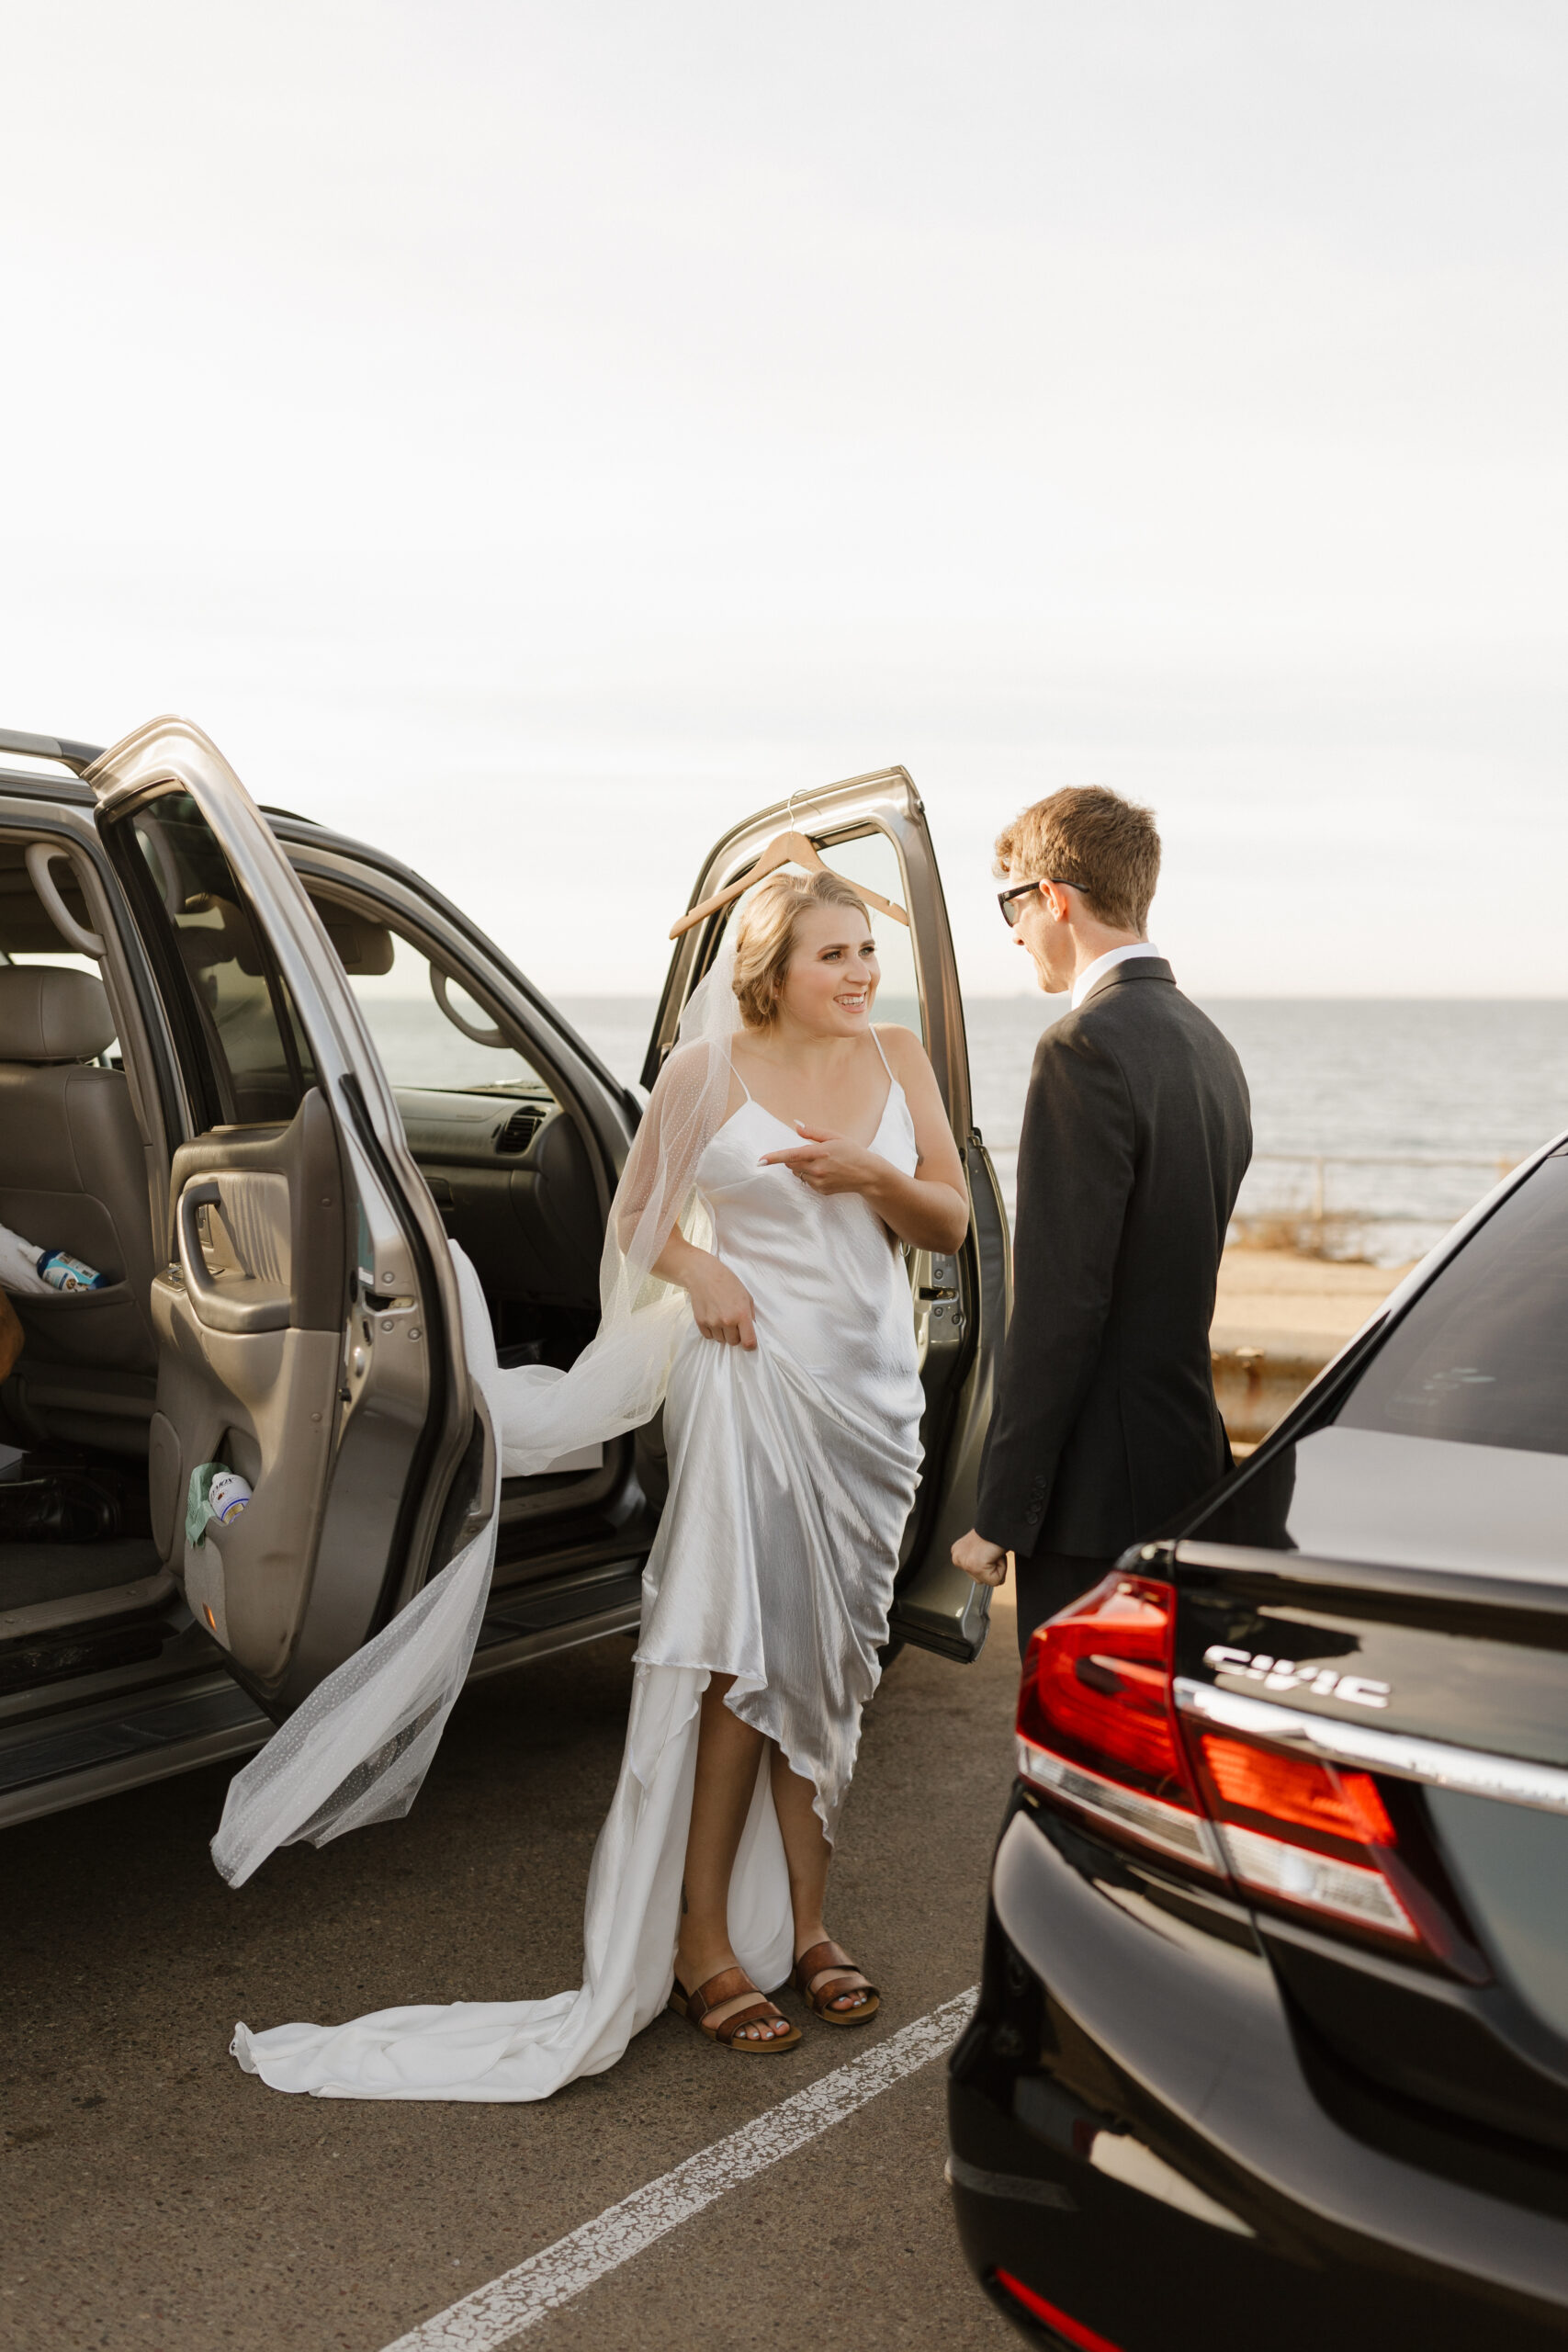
(62, 1272)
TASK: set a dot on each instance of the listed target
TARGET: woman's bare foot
(691, 1972)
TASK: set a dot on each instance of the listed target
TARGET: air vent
(519, 1130)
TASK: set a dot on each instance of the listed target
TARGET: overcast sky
(533, 436)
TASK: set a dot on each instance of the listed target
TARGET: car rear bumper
(1136, 2138)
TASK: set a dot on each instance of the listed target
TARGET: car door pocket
(207, 1587)
(256, 1555)
(103, 1326)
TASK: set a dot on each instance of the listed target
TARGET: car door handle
(255, 1307)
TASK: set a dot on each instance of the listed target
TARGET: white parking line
(520, 2299)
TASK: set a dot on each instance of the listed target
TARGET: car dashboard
(510, 1172)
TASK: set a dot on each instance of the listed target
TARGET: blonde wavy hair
(765, 940)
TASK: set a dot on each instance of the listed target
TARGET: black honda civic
(1272, 2040)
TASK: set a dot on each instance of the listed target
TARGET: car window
(1482, 1357)
(452, 1050)
(245, 1058)
(871, 860)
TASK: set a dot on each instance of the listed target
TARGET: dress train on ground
(525, 2050)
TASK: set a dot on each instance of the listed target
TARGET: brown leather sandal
(728, 1985)
(824, 1973)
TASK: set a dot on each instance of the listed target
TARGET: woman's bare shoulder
(902, 1048)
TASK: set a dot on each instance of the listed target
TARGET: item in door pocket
(19, 1266)
(63, 1273)
(201, 1508)
(28, 1271)
(227, 1496)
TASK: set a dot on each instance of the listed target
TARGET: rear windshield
(1482, 1358)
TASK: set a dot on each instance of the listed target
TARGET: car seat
(74, 1177)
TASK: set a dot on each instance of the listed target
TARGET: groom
(1136, 1134)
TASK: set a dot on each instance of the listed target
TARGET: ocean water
(1439, 1097)
(1472, 1085)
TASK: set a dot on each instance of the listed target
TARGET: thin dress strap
(885, 1063)
(735, 1074)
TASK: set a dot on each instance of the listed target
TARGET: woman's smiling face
(832, 977)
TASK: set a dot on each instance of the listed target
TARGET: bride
(751, 1279)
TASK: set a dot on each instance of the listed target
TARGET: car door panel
(249, 1317)
(309, 1326)
(872, 829)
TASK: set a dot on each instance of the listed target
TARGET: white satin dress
(793, 1470)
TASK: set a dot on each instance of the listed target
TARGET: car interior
(76, 1538)
(505, 1160)
(81, 1583)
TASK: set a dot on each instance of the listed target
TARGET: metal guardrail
(1497, 1164)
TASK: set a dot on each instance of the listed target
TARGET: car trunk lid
(1444, 1697)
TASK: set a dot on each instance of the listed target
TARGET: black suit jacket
(1136, 1134)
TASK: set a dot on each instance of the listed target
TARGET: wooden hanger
(785, 849)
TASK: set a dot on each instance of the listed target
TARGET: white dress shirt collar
(1103, 963)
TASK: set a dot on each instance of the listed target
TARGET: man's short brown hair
(1109, 847)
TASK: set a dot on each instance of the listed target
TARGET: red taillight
(1098, 1730)
(1293, 1789)
(1071, 2331)
(1096, 1723)
(1097, 1683)
(1308, 1834)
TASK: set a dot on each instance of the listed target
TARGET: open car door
(306, 1311)
(873, 831)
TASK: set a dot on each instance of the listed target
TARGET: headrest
(50, 1015)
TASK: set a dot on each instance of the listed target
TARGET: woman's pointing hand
(828, 1163)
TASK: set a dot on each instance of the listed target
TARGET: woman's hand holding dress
(721, 1303)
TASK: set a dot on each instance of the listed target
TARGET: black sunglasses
(1011, 900)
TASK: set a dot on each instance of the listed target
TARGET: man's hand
(986, 1563)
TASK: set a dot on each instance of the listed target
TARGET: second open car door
(307, 1310)
(873, 831)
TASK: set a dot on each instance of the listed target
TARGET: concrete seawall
(1278, 1318)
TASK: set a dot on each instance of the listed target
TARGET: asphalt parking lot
(158, 2201)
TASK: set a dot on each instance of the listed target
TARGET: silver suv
(256, 1074)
